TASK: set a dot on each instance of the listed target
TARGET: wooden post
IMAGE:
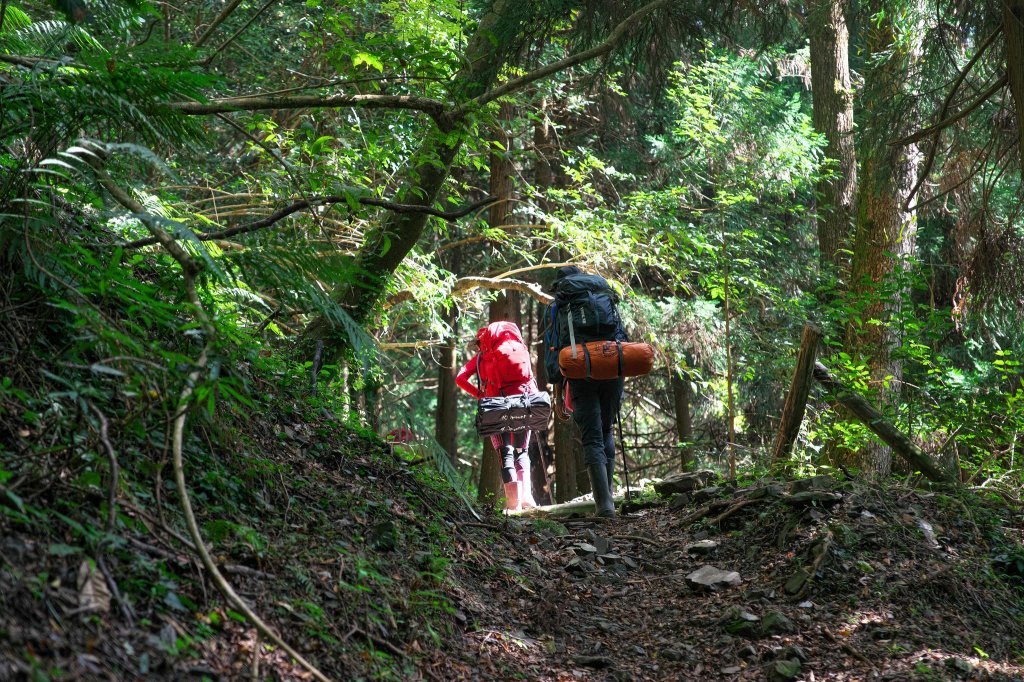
(796, 399)
(873, 419)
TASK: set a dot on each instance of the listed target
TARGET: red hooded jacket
(503, 364)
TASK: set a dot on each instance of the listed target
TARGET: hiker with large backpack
(585, 310)
(502, 367)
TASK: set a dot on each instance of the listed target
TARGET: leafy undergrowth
(367, 562)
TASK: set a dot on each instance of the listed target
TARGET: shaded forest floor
(366, 561)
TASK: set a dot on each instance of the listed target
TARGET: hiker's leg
(587, 415)
(523, 472)
(611, 400)
(502, 442)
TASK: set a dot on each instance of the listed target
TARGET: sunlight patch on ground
(505, 639)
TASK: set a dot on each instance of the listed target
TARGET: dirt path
(611, 600)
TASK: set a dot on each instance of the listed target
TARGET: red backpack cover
(504, 358)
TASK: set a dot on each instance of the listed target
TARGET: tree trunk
(568, 449)
(886, 233)
(681, 398)
(832, 95)
(539, 443)
(1013, 32)
(446, 417)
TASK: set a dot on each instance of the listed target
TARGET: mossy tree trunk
(832, 95)
(886, 233)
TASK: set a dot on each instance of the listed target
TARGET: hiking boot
(603, 504)
(512, 496)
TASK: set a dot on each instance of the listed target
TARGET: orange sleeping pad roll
(606, 360)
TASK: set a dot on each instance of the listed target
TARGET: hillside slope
(365, 561)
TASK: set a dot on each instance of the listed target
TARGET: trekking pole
(625, 467)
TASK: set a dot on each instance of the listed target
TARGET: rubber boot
(526, 500)
(512, 496)
(604, 506)
(610, 468)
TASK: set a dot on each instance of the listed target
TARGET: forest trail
(896, 595)
(368, 563)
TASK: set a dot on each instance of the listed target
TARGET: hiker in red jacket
(502, 366)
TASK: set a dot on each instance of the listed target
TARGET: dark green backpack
(585, 309)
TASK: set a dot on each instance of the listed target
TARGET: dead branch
(944, 110)
(431, 107)
(243, 29)
(225, 13)
(881, 427)
(945, 123)
(734, 508)
(820, 554)
(466, 284)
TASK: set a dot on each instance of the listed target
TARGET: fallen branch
(878, 425)
(734, 508)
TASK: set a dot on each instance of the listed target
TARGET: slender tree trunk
(541, 453)
(571, 478)
(682, 398)
(832, 95)
(356, 400)
(373, 406)
(886, 236)
(446, 418)
(1013, 32)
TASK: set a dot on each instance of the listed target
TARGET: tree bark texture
(832, 95)
(567, 471)
(682, 397)
(446, 417)
(542, 454)
(884, 429)
(1013, 32)
(796, 399)
(886, 233)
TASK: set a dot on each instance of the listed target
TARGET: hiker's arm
(462, 378)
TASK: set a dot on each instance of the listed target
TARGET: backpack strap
(572, 336)
(479, 377)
